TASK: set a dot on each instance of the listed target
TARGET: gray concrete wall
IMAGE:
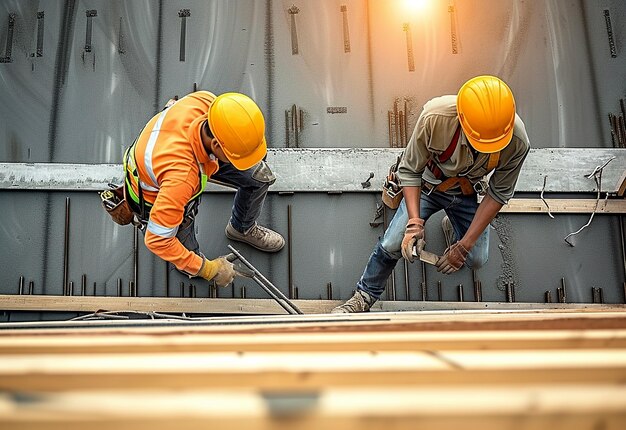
(75, 106)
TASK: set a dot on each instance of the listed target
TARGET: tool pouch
(392, 192)
(115, 203)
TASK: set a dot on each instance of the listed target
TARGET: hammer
(425, 256)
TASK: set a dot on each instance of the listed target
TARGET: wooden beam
(570, 206)
(433, 408)
(276, 372)
(368, 339)
(88, 304)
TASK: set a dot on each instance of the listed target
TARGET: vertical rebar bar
(329, 290)
(119, 287)
(407, 290)
(548, 295)
(66, 246)
(135, 257)
(21, 286)
(83, 284)
(31, 287)
(439, 291)
(460, 292)
(289, 254)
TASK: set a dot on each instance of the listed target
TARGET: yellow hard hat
(486, 109)
(237, 123)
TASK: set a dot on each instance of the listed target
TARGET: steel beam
(336, 170)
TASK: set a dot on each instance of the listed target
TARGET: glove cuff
(208, 270)
(415, 221)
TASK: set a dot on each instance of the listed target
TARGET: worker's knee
(477, 258)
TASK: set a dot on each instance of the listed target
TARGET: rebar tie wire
(597, 176)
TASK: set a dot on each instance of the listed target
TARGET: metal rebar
(593, 295)
(346, 30)
(135, 257)
(90, 14)
(295, 126)
(480, 291)
(439, 291)
(293, 11)
(548, 296)
(66, 246)
(167, 279)
(9, 41)
(83, 284)
(601, 294)
(287, 128)
(460, 292)
(119, 287)
(31, 287)
(545, 179)
(243, 291)
(453, 31)
(563, 290)
(71, 288)
(390, 122)
(289, 255)
(183, 15)
(94, 289)
(40, 27)
(409, 46)
(609, 33)
(329, 291)
(264, 283)
(407, 290)
(509, 295)
(424, 284)
(21, 286)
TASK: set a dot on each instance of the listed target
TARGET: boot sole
(253, 245)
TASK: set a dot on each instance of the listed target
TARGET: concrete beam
(336, 170)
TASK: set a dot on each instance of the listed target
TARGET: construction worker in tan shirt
(198, 137)
(457, 141)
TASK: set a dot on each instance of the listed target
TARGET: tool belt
(392, 192)
(115, 203)
(466, 187)
(458, 182)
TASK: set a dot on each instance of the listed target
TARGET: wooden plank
(90, 304)
(621, 185)
(449, 408)
(570, 206)
(182, 341)
(307, 371)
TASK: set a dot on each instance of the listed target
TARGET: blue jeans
(460, 210)
(252, 186)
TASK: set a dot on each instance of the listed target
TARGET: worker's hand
(414, 231)
(453, 259)
(219, 270)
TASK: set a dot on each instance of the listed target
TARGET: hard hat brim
(244, 163)
(493, 146)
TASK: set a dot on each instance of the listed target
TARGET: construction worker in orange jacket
(198, 137)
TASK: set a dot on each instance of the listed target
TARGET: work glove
(219, 270)
(414, 231)
(453, 259)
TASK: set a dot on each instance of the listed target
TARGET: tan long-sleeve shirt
(433, 134)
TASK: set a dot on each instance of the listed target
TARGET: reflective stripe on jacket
(169, 158)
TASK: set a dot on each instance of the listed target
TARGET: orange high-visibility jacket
(169, 155)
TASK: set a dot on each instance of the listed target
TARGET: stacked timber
(435, 369)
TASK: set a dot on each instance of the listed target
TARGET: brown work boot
(258, 236)
(448, 231)
(360, 302)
